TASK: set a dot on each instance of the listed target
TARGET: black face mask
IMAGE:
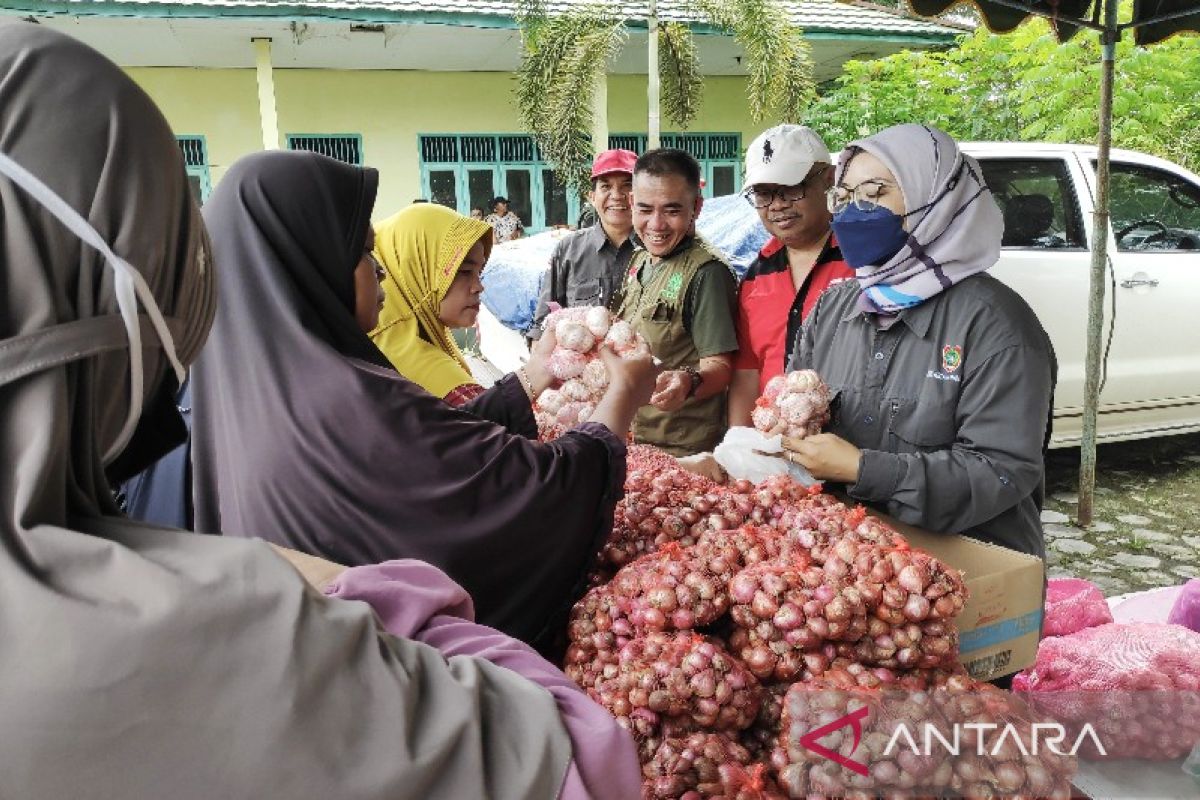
(159, 430)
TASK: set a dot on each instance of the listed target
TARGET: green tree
(565, 55)
(1025, 86)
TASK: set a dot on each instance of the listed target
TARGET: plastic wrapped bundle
(1186, 611)
(512, 280)
(731, 225)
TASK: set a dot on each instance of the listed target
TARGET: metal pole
(1091, 386)
(652, 124)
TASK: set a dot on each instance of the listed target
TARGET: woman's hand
(635, 376)
(630, 384)
(537, 367)
(317, 571)
(827, 457)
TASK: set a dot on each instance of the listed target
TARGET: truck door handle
(1129, 283)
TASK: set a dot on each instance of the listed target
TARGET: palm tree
(566, 56)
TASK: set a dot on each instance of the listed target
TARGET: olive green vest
(655, 310)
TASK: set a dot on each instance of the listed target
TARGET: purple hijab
(303, 435)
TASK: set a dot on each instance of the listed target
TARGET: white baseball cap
(784, 155)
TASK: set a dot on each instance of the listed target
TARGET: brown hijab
(140, 662)
(302, 437)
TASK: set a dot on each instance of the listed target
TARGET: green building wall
(390, 109)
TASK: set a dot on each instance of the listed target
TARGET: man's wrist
(694, 379)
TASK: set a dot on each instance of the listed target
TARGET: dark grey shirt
(585, 270)
(950, 406)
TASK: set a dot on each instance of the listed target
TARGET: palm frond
(778, 60)
(679, 68)
(556, 85)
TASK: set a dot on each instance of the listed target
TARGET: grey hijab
(145, 663)
(955, 234)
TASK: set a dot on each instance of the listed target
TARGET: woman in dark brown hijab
(140, 662)
(304, 435)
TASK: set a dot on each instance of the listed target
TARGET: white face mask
(61, 344)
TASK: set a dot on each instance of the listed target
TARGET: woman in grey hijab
(942, 376)
(140, 662)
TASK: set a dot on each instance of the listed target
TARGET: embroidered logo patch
(670, 292)
(951, 358)
(768, 152)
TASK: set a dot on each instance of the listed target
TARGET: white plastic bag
(736, 456)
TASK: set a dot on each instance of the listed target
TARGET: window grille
(439, 149)
(343, 147)
(478, 149)
(193, 150)
(518, 149)
(632, 142)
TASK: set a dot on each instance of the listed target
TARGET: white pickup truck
(1152, 372)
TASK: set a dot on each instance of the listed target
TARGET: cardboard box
(1001, 624)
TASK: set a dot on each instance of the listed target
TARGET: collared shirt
(506, 227)
(586, 269)
(950, 406)
(771, 309)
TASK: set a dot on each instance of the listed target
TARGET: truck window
(1038, 200)
(1153, 210)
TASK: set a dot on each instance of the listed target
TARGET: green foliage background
(1025, 86)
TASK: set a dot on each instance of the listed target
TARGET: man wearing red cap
(588, 266)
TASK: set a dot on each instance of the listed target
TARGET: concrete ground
(1146, 528)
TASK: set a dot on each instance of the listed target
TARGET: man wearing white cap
(588, 266)
(788, 171)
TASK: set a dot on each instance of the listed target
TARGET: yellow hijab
(422, 248)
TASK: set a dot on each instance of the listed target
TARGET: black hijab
(304, 436)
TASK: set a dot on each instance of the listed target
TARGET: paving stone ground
(1146, 530)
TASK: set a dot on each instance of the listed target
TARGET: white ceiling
(159, 42)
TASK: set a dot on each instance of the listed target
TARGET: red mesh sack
(1137, 685)
(1073, 604)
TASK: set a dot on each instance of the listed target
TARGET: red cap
(614, 161)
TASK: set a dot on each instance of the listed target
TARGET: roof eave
(385, 16)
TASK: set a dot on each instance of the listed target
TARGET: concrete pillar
(266, 93)
(600, 114)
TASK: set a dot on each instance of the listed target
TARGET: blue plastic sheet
(513, 278)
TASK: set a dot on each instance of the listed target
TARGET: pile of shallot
(578, 334)
(958, 738)
(712, 602)
(795, 405)
(706, 765)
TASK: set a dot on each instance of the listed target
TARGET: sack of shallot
(578, 334)
(795, 405)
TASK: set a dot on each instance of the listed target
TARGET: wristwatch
(696, 377)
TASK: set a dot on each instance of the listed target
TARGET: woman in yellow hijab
(433, 258)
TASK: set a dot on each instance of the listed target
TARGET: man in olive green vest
(682, 298)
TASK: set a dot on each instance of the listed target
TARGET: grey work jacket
(950, 406)
(585, 270)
